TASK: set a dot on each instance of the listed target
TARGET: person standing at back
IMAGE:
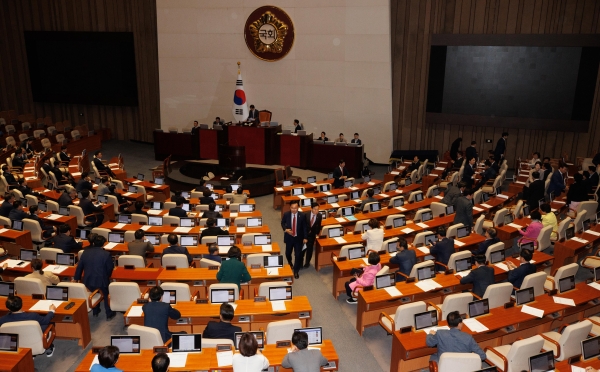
(452, 193)
(442, 249)
(464, 209)
(500, 147)
(157, 313)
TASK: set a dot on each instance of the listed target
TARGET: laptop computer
(306, 202)
(463, 264)
(324, 187)
(419, 197)
(392, 187)
(225, 240)
(254, 222)
(354, 253)
(528, 245)
(297, 191)
(480, 307)
(82, 233)
(63, 211)
(272, 261)
(155, 221)
(9, 342)
(186, 206)
(348, 184)
(17, 225)
(430, 239)
(104, 199)
(426, 319)
(311, 179)
(398, 202)
(219, 296)
(223, 222)
(375, 207)
(392, 247)
(365, 178)
(7, 289)
(235, 186)
(508, 219)
(426, 272)
(116, 237)
(67, 259)
(315, 335)
(399, 222)
(286, 183)
(185, 194)
(407, 181)
(186, 343)
(597, 274)
(543, 362)
(140, 176)
(169, 297)
(27, 254)
(347, 211)
(264, 239)
(42, 207)
(280, 293)
(485, 197)
(154, 239)
(156, 205)
(385, 280)
(526, 210)
(462, 232)
(57, 293)
(246, 208)
(159, 180)
(258, 335)
(376, 190)
(590, 348)
(570, 232)
(426, 216)
(566, 284)
(186, 222)
(365, 227)
(188, 240)
(335, 232)
(449, 210)
(524, 296)
(497, 256)
(332, 199)
(126, 344)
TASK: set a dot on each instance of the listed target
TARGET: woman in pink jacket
(533, 229)
(366, 278)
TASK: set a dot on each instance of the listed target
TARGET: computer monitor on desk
(449, 210)
(273, 261)
(543, 362)
(254, 222)
(399, 222)
(335, 232)
(189, 240)
(223, 222)
(116, 237)
(426, 319)
(7, 289)
(355, 253)
(263, 239)
(154, 239)
(524, 296)
(169, 297)
(385, 280)
(590, 348)
(219, 296)
(280, 293)
(57, 293)
(462, 232)
(315, 335)
(497, 256)
(9, 342)
(186, 222)
(225, 240)
(258, 335)
(311, 179)
(426, 272)
(463, 264)
(155, 221)
(184, 343)
(126, 344)
(566, 284)
(27, 254)
(478, 308)
(125, 218)
(67, 259)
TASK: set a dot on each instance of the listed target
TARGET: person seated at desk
(442, 249)
(356, 140)
(222, 328)
(578, 192)
(374, 236)
(233, 270)
(195, 128)
(213, 253)
(67, 197)
(212, 229)
(369, 199)
(65, 242)
(549, 219)
(341, 139)
(452, 193)
(14, 304)
(481, 276)
(297, 126)
(531, 232)
(100, 165)
(157, 313)
(323, 137)
(452, 340)
(88, 208)
(490, 239)
(415, 164)
(340, 174)
(17, 213)
(463, 209)
(302, 359)
(218, 121)
(405, 258)
(239, 196)
(84, 183)
(139, 246)
(206, 197)
(139, 208)
(103, 186)
(47, 230)
(489, 173)
(178, 210)
(46, 277)
(517, 274)
(7, 205)
(160, 362)
(26, 148)
(535, 158)
(460, 159)
(64, 156)
(107, 358)
(248, 360)
(8, 176)
(211, 213)
(19, 159)
(175, 248)
(252, 114)
(26, 190)
(364, 276)
(123, 204)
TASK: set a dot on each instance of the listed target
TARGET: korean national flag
(240, 105)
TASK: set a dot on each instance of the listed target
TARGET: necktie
(312, 220)
(293, 224)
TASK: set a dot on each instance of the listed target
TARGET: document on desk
(145, 227)
(563, 301)
(475, 325)
(394, 173)
(127, 194)
(577, 369)
(241, 229)
(559, 202)
(278, 305)
(110, 246)
(233, 214)
(424, 250)
(327, 193)
(423, 225)
(439, 197)
(314, 184)
(224, 249)
(182, 229)
(401, 209)
(502, 196)
(340, 219)
(154, 212)
(592, 232)
(279, 188)
(135, 311)
(428, 285)
(478, 209)
(515, 226)
(267, 248)
(464, 273)
(485, 205)
(427, 330)
(351, 218)
(224, 358)
(594, 285)
(44, 305)
(178, 360)
(393, 291)
(371, 183)
(532, 311)
(501, 265)
(301, 196)
(53, 216)
(274, 271)
(458, 243)
(365, 260)
(384, 195)
(407, 230)
(580, 240)
(156, 186)
(335, 205)
(399, 191)
(119, 226)
(15, 263)
(55, 269)
(340, 240)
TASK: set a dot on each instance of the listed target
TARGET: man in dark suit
(63, 240)
(63, 155)
(100, 165)
(212, 229)
(442, 249)
(26, 147)
(96, 265)
(47, 230)
(557, 182)
(295, 235)
(178, 210)
(195, 128)
(17, 213)
(535, 191)
(340, 174)
(481, 277)
(405, 258)
(223, 328)
(517, 274)
(313, 221)
(26, 190)
(67, 197)
(464, 209)
(211, 213)
(469, 172)
(19, 160)
(356, 140)
(500, 147)
(297, 125)
(175, 248)
(84, 183)
(89, 208)
(452, 193)
(252, 114)
(489, 173)
(10, 179)
(157, 313)
(490, 239)
(7, 205)
(594, 178)
(471, 151)
(206, 197)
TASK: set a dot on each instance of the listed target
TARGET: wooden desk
(21, 361)
(146, 278)
(164, 189)
(22, 238)
(566, 252)
(69, 324)
(181, 146)
(261, 143)
(294, 150)
(88, 143)
(279, 191)
(324, 158)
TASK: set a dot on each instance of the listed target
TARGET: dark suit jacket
(470, 152)
(157, 314)
(500, 148)
(211, 214)
(44, 320)
(593, 182)
(177, 212)
(5, 209)
(484, 245)
(97, 265)
(64, 157)
(18, 162)
(220, 330)
(557, 183)
(35, 217)
(596, 159)
(206, 200)
(88, 207)
(177, 249)
(468, 173)
(337, 173)
(577, 192)
(463, 211)
(10, 179)
(442, 251)
(450, 195)
(99, 164)
(313, 230)
(67, 243)
(253, 114)
(213, 231)
(356, 141)
(26, 190)
(301, 227)
(195, 130)
(65, 200)
(82, 184)
(17, 215)
(481, 278)
(534, 193)
(516, 276)
(298, 127)
(405, 259)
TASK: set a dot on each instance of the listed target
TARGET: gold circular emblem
(269, 33)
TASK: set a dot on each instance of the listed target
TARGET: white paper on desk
(127, 194)
(459, 243)
(365, 260)
(553, 209)
(279, 188)
(401, 209)
(424, 250)
(357, 201)
(384, 195)
(314, 184)
(55, 269)
(301, 196)
(515, 226)
(407, 230)
(241, 229)
(438, 197)
(563, 301)
(521, 182)
(423, 225)
(371, 183)
(428, 285)
(267, 248)
(234, 305)
(33, 178)
(478, 209)
(399, 191)
(156, 186)
(557, 201)
(15, 263)
(53, 216)
(335, 205)
(233, 214)
(278, 305)
(135, 311)
(501, 265)
(577, 369)
(340, 219)
(394, 172)
(582, 240)
(594, 285)
(95, 361)
(154, 212)
(224, 358)
(393, 291)
(146, 227)
(136, 181)
(485, 205)
(532, 311)
(592, 232)
(353, 188)
(183, 229)
(427, 330)
(178, 360)
(110, 246)
(119, 226)
(326, 193)
(502, 196)
(273, 271)
(340, 240)
(44, 305)
(475, 325)
(401, 167)
(224, 178)
(531, 262)
(464, 273)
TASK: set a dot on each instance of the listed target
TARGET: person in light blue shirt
(452, 340)
(107, 358)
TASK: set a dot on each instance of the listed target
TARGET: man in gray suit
(302, 359)
(453, 340)
(452, 193)
(464, 209)
(139, 246)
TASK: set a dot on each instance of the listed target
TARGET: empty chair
(404, 316)
(180, 261)
(359, 225)
(562, 228)
(568, 343)
(129, 236)
(413, 196)
(518, 209)
(543, 238)
(581, 216)
(455, 257)
(29, 286)
(31, 335)
(208, 240)
(213, 342)
(420, 237)
(437, 208)
(454, 302)
(514, 357)
(498, 294)
(101, 231)
(79, 290)
(206, 263)
(430, 191)
(498, 219)
(419, 214)
(35, 229)
(182, 291)
(248, 239)
(263, 288)
(589, 207)
(227, 286)
(49, 254)
(131, 260)
(562, 272)
(389, 220)
(477, 197)
(122, 295)
(142, 190)
(595, 325)
(282, 330)
(417, 266)
(171, 220)
(256, 259)
(149, 337)
(536, 281)
(493, 248)
(451, 232)
(478, 228)
(452, 362)
(139, 218)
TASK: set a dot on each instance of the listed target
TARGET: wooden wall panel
(137, 16)
(414, 21)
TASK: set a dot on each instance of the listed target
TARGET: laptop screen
(225, 240)
(347, 211)
(273, 261)
(477, 308)
(27, 254)
(392, 186)
(9, 342)
(285, 184)
(140, 176)
(156, 205)
(186, 207)
(375, 207)
(485, 197)
(497, 256)
(508, 219)
(335, 232)
(366, 179)
(543, 362)
(426, 216)
(354, 195)
(315, 334)
(365, 227)
(463, 264)
(332, 199)
(186, 222)
(590, 348)
(42, 207)
(115, 237)
(124, 218)
(386, 280)
(461, 232)
(311, 179)
(449, 209)
(407, 181)
(297, 191)
(525, 210)
(57, 293)
(354, 253)
(132, 189)
(426, 272)
(524, 296)
(189, 240)
(426, 320)
(155, 221)
(419, 197)
(398, 202)
(259, 336)
(586, 225)
(348, 183)
(17, 225)
(63, 211)
(102, 198)
(430, 239)
(254, 222)
(597, 273)
(153, 239)
(7, 289)
(280, 293)
(186, 342)
(185, 194)
(306, 202)
(169, 297)
(399, 221)
(246, 208)
(566, 284)
(392, 247)
(325, 187)
(219, 296)
(67, 259)
(570, 232)
(81, 233)
(126, 344)
(262, 239)
(223, 222)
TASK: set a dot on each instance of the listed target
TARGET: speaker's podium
(232, 157)
(294, 149)
(261, 142)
